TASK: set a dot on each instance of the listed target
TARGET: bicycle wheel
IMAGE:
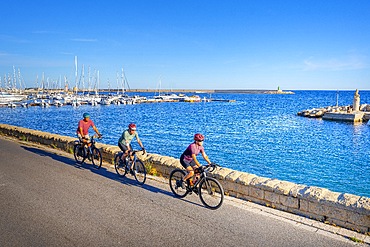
(211, 193)
(96, 157)
(139, 172)
(79, 153)
(119, 166)
(177, 183)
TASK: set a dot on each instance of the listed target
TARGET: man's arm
(139, 141)
(141, 145)
(96, 131)
(79, 131)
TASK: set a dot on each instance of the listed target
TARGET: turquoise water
(259, 134)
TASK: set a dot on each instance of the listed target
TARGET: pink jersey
(192, 149)
(85, 126)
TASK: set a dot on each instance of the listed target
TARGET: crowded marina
(58, 99)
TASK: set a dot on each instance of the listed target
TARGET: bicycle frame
(131, 154)
(92, 142)
(133, 165)
(203, 174)
(91, 146)
(210, 190)
(90, 151)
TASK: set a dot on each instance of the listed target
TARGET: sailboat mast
(76, 72)
(89, 81)
(14, 79)
(20, 80)
(123, 81)
(83, 78)
(43, 82)
(117, 81)
(98, 80)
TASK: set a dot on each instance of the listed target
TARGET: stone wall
(341, 209)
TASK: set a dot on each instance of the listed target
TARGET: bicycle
(209, 189)
(133, 166)
(82, 152)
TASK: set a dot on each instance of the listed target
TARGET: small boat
(57, 103)
(44, 103)
(12, 105)
(93, 102)
(105, 101)
(192, 99)
(6, 97)
(75, 103)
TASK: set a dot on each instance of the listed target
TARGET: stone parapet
(341, 209)
(348, 117)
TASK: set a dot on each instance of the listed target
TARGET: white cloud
(66, 53)
(84, 40)
(333, 64)
(13, 39)
(3, 54)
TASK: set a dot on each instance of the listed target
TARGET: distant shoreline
(195, 91)
(242, 91)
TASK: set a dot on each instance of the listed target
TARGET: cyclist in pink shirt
(189, 160)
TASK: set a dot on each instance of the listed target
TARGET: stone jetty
(350, 113)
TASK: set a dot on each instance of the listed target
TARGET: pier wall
(340, 209)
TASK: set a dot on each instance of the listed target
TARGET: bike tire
(96, 158)
(176, 177)
(79, 153)
(139, 172)
(119, 166)
(211, 193)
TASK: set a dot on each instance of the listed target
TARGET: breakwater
(341, 209)
(338, 113)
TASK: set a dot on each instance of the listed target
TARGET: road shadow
(128, 180)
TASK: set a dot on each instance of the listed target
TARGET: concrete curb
(338, 209)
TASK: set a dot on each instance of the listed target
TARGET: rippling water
(259, 134)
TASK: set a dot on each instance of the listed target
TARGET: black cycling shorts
(124, 147)
(186, 163)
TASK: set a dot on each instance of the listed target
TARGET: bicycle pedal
(180, 184)
(189, 189)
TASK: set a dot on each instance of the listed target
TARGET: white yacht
(6, 97)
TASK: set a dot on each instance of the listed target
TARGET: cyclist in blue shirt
(124, 142)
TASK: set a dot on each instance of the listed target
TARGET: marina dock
(351, 113)
(343, 114)
(346, 117)
(58, 99)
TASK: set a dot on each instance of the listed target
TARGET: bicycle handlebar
(211, 167)
(135, 151)
(97, 136)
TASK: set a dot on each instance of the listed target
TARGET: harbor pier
(354, 113)
(346, 117)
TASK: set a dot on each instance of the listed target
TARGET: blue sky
(298, 44)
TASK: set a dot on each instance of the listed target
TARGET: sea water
(258, 133)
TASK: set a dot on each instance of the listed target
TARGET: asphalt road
(48, 200)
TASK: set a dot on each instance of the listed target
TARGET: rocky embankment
(320, 112)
